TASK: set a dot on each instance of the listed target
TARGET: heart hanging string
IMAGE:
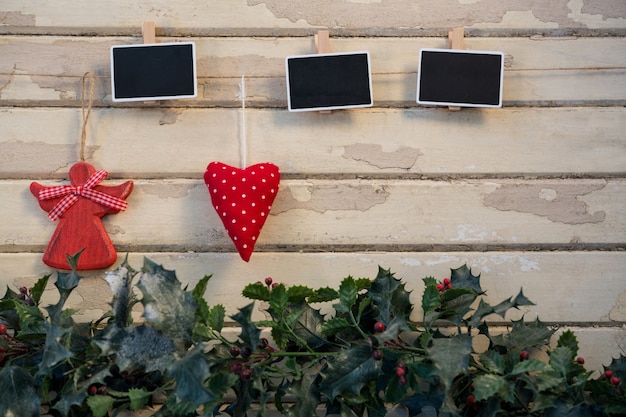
(242, 197)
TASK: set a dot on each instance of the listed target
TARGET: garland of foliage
(361, 359)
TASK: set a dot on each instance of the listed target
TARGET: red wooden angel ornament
(79, 208)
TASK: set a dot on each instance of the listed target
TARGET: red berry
(580, 360)
(441, 287)
(235, 351)
(245, 374)
(274, 285)
(268, 281)
(402, 380)
(379, 327)
(471, 399)
(446, 282)
(615, 381)
(608, 373)
(523, 355)
(236, 367)
(246, 352)
(92, 390)
(377, 354)
(3, 329)
(400, 372)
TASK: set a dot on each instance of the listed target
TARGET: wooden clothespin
(456, 40)
(322, 44)
(148, 31)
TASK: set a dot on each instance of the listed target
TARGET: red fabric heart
(242, 199)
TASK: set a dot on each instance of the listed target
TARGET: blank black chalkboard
(460, 78)
(146, 72)
(329, 81)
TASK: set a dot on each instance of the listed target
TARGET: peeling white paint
(468, 232)
(519, 20)
(591, 21)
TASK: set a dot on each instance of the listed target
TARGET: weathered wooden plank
(136, 143)
(563, 285)
(541, 70)
(342, 214)
(231, 16)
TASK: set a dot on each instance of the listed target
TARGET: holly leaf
(486, 386)
(37, 291)
(278, 300)
(250, 334)
(349, 371)
(430, 297)
(347, 295)
(256, 291)
(306, 397)
(216, 317)
(190, 372)
(524, 335)
(18, 397)
(298, 293)
(166, 306)
(100, 404)
(139, 398)
(568, 340)
(322, 295)
(308, 326)
(462, 277)
(54, 351)
(335, 325)
(451, 356)
(561, 359)
(389, 296)
(492, 361)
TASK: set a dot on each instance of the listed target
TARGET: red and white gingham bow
(73, 193)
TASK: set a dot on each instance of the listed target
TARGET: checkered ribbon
(71, 194)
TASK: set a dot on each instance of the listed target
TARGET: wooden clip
(148, 31)
(322, 44)
(456, 40)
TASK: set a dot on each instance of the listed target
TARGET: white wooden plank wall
(532, 195)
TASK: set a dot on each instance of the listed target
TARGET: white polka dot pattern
(242, 198)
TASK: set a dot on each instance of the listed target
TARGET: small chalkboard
(160, 71)
(462, 78)
(329, 81)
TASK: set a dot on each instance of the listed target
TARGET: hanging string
(242, 137)
(86, 111)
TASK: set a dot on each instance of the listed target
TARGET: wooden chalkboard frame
(180, 81)
(299, 67)
(463, 78)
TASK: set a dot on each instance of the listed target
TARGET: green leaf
(530, 365)
(190, 372)
(347, 295)
(389, 296)
(200, 289)
(307, 397)
(216, 317)
(100, 404)
(18, 397)
(54, 351)
(139, 398)
(298, 293)
(451, 356)
(349, 371)
(486, 386)
(322, 295)
(166, 306)
(335, 325)
(561, 359)
(492, 361)
(482, 311)
(278, 299)
(256, 291)
(309, 325)
(524, 334)
(37, 291)
(462, 278)
(568, 340)
(250, 334)
(363, 283)
(430, 298)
